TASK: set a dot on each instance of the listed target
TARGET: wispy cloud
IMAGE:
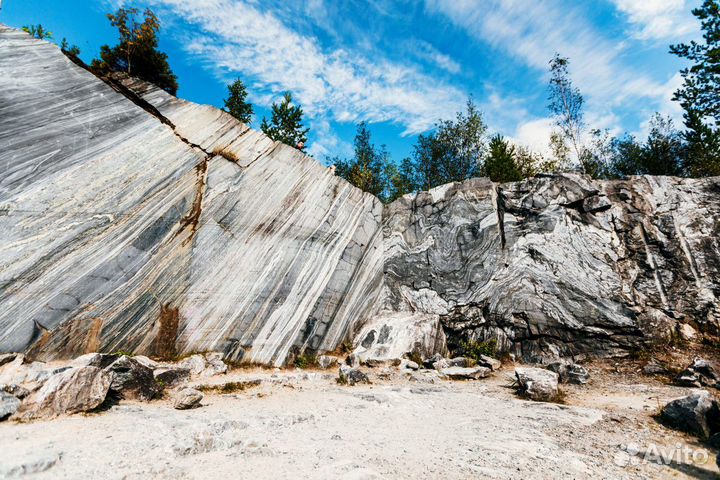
(658, 19)
(427, 52)
(532, 32)
(339, 84)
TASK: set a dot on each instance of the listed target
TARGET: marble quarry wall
(133, 220)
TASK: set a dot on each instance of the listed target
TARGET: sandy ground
(299, 424)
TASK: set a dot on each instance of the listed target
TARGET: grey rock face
(132, 380)
(557, 265)
(187, 398)
(71, 391)
(537, 384)
(326, 361)
(8, 404)
(163, 227)
(697, 414)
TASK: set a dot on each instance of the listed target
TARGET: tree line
(462, 148)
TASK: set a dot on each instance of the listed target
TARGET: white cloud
(535, 134)
(532, 32)
(426, 51)
(343, 85)
(658, 19)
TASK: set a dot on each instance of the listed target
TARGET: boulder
(697, 414)
(463, 362)
(569, 372)
(391, 335)
(148, 362)
(195, 363)
(205, 365)
(77, 389)
(352, 360)
(654, 368)
(430, 362)
(8, 404)
(537, 384)
(687, 332)
(215, 364)
(100, 360)
(170, 377)
(132, 380)
(15, 390)
(7, 358)
(351, 376)
(466, 373)
(187, 398)
(18, 372)
(326, 361)
(440, 364)
(700, 373)
(489, 362)
(411, 365)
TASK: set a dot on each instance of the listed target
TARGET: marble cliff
(132, 220)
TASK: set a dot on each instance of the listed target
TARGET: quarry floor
(302, 424)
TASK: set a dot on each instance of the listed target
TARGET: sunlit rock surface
(558, 265)
(166, 230)
(132, 220)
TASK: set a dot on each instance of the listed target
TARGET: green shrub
(474, 349)
(305, 361)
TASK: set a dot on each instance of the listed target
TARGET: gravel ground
(298, 424)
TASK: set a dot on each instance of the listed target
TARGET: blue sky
(401, 65)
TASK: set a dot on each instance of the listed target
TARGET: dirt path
(304, 425)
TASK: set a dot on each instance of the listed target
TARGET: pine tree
(236, 104)
(700, 93)
(285, 124)
(137, 52)
(500, 164)
(38, 32)
(370, 169)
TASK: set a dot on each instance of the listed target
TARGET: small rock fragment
(7, 358)
(9, 404)
(187, 398)
(351, 376)
(326, 361)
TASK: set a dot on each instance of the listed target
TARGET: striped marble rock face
(136, 221)
(558, 265)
